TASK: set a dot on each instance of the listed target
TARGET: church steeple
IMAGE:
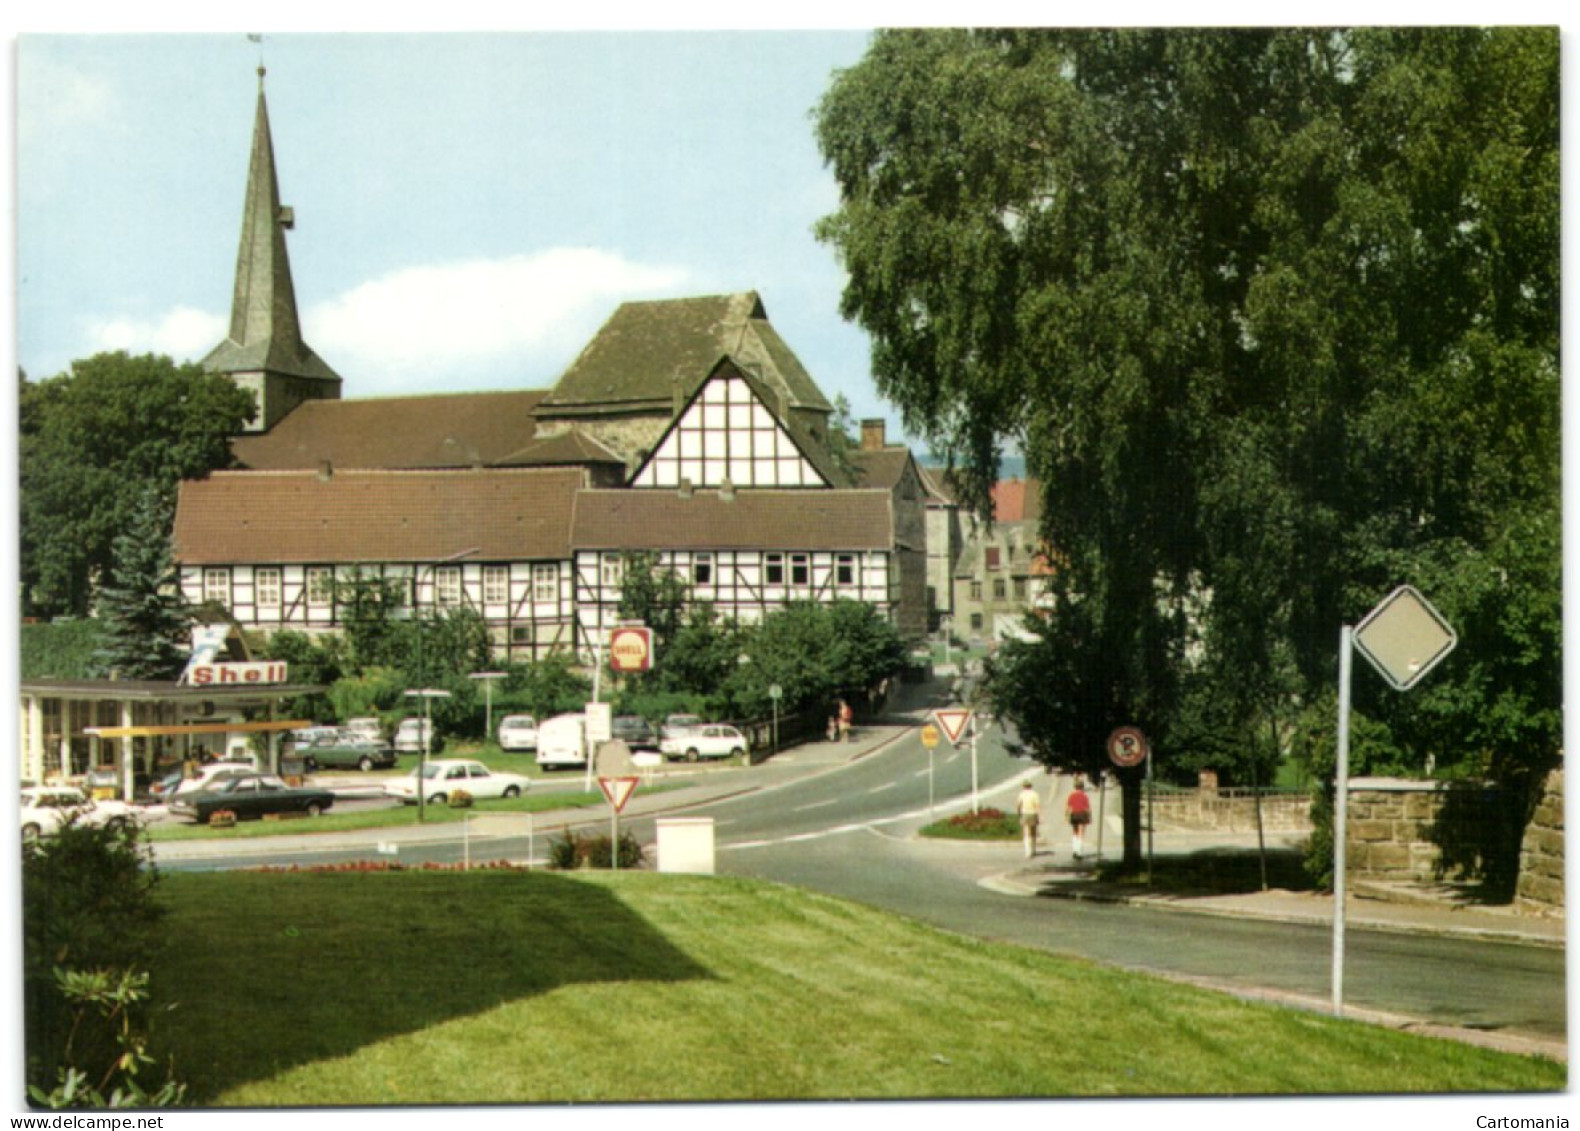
(265, 351)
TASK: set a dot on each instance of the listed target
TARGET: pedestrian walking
(1028, 806)
(1078, 811)
(845, 716)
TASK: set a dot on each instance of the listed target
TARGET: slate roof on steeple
(648, 352)
(265, 331)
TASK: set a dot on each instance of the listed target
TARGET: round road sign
(929, 736)
(1127, 746)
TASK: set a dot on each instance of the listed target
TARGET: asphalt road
(847, 829)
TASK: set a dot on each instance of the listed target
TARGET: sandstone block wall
(1540, 890)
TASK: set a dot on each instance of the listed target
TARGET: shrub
(589, 851)
(984, 824)
(88, 911)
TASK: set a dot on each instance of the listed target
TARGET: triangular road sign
(953, 722)
(618, 790)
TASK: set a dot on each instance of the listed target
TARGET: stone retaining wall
(1232, 810)
(1390, 829)
(1541, 885)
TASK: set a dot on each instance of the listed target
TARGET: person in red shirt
(1078, 811)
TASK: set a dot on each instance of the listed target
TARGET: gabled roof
(1017, 500)
(454, 430)
(573, 447)
(813, 449)
(750, 520)
(265, 332)
(649, 351)
(375, 516)
(880, 467)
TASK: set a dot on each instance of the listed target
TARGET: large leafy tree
(93, 440)
(1272, 314)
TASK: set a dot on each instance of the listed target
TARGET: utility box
(685, 844)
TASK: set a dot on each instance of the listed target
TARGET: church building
(686, 428)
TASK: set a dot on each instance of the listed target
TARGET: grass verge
(394, 817)
(513, 987)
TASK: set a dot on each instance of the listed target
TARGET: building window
(611, 571)
(976, 622)
(976, 590)
(521, 634)
(1020, 589)
(545, 583)
(496, 584)
(774, 569)
(845, 570)
(447, 585)
(320, 586)
(999, 591)
(266, 588)
(992, 557)
(800, 570)
(702, 569)
(216, 586)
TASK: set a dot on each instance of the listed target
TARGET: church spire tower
(265, 351)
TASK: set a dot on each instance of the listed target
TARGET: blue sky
(469, 207)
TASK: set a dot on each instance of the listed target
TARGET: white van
(410, 733)
(562, 741)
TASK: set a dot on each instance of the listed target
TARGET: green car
(346, 754)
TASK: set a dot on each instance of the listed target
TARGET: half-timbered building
(686, 428)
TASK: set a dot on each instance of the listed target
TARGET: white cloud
(184, 333)
(56, 98)
(479, 323)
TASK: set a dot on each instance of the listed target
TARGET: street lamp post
(488, 679)
(427, 695)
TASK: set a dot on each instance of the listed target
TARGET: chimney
(685, 488)
(872, 437)
(727, 490)
(326, 471)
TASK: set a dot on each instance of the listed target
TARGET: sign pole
(1341, 792)
(975, 807)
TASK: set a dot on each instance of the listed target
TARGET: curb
(1011, 884)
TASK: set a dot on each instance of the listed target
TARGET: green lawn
(514, 987)
(391, 818)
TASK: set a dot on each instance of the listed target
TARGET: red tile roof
(375, 516)
(454, 430)
(752, 520)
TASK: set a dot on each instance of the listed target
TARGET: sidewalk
(1400, 908)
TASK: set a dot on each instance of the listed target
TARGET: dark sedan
(251, 797)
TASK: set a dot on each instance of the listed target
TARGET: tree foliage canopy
(1273, 315)
(93, 441)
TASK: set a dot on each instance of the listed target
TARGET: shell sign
(631, 649)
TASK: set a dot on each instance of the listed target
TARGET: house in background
(1003, 571)
(686, 427)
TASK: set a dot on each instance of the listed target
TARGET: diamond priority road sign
(1404, 637)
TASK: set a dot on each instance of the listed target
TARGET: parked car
(251, 797)
(518, 732)
(712, 740)
(163, 787)
(212, 775)
(635, 731)
(345, 753)
(306, 736)
(562, 741)
(45, 808)
(409, 736)
(370, 729)
(444, 776)
(676, 725)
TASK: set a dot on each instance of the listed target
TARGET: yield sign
(953, 721)
(618, 790)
